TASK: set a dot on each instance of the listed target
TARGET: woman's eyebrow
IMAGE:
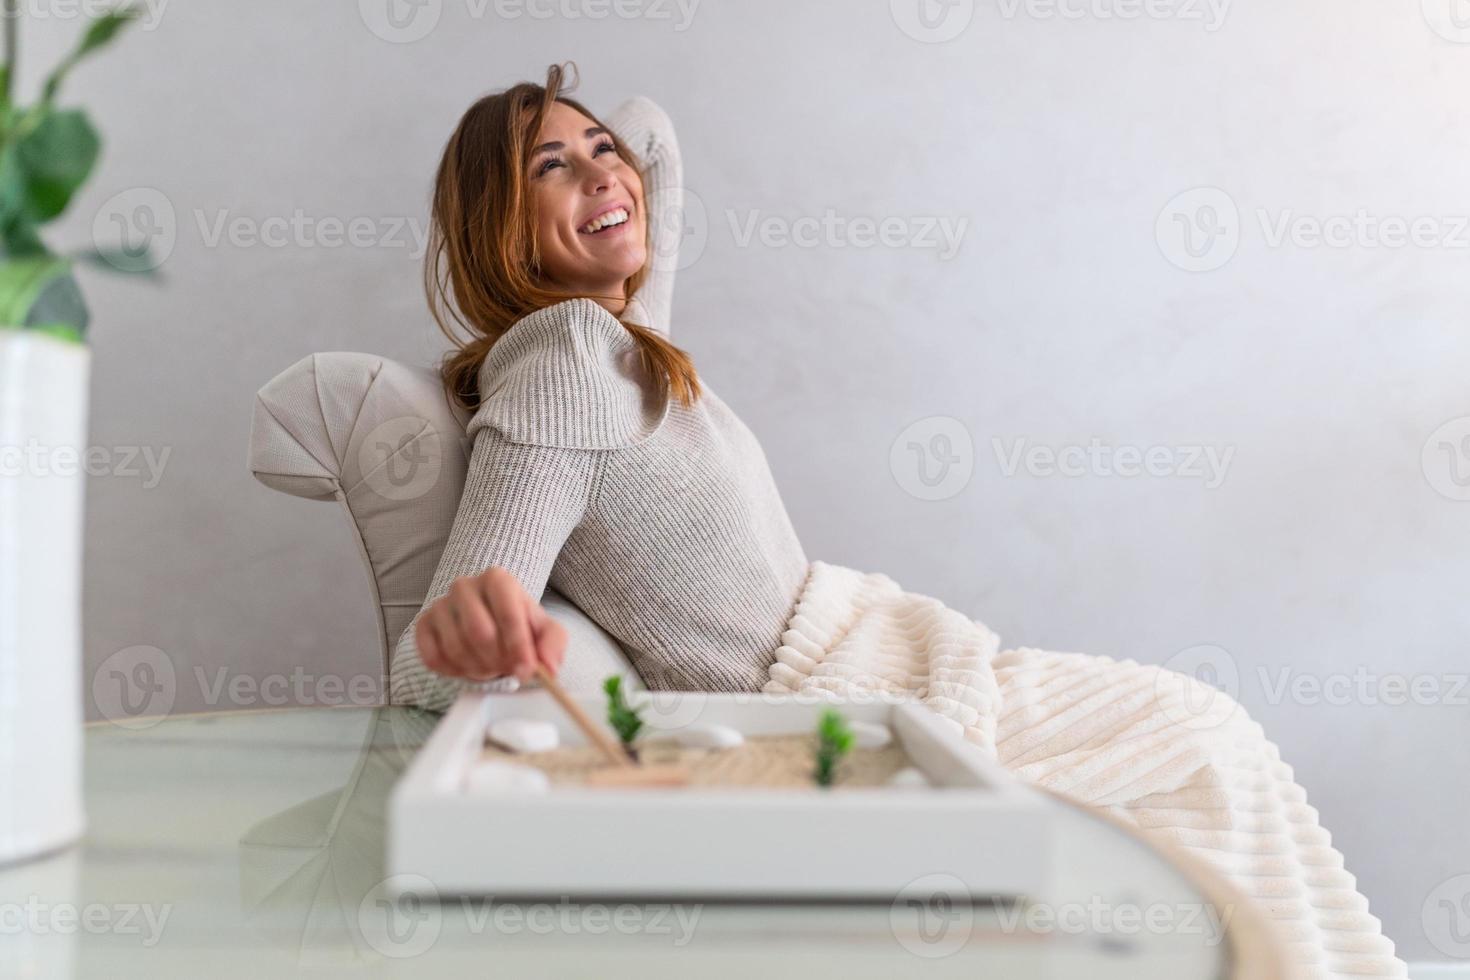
(558, 144)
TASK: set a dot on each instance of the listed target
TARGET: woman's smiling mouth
(613, 217)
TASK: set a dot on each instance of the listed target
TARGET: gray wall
(1327, 547)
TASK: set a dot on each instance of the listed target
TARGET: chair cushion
(385, 440)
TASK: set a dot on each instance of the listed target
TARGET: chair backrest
(384, 440)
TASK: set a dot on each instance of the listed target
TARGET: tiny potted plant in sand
(623, 718)
(834, 740)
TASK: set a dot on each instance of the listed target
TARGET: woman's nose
(600, 178)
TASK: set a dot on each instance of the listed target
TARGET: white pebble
(709, 737)
(492, 776)
(525, 735)
(869, 735)
(909, 778)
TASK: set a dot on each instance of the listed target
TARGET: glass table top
(251, 844)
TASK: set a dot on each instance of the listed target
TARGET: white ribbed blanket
(1163, 751)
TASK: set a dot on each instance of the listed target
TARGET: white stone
(870, 736)
(525, 735)
(709, 737)
(909, 778)
(494, 776)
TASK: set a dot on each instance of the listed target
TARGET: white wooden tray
(976, 826)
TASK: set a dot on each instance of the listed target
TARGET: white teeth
(614, 217)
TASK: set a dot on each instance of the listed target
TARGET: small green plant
(623, 719)
(834, 740)
(46, 155)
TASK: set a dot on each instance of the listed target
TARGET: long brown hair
(482, 261)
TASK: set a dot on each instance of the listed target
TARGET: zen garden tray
(750, 822)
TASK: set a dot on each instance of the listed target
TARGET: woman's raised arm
(647, 130)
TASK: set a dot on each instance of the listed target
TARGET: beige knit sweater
(661, 522)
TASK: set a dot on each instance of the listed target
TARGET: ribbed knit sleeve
(520, 504)
(649, 133)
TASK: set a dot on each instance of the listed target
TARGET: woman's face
(582, 191)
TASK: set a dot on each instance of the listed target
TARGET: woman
(599, 463)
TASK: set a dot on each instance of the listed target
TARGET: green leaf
(98, 34)
(54, 159)
(623, 719)
(19, 240)
(23, 285)
(12, 184)
(59, 302)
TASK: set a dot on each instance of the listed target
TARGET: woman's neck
(613, 306)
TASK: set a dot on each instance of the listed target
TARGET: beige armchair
(383, 440)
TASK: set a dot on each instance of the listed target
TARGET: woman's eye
(551, 163)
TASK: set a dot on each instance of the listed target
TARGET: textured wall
(946, 405)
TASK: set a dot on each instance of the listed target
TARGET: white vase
(43, 433)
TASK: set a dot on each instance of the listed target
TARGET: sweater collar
(570, 376)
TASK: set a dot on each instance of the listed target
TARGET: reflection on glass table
(252, 844)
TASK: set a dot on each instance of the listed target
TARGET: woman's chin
(615, 269)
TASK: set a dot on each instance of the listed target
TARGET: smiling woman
(524, 176)
(600, 464)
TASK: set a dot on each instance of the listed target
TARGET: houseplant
(46, 154)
